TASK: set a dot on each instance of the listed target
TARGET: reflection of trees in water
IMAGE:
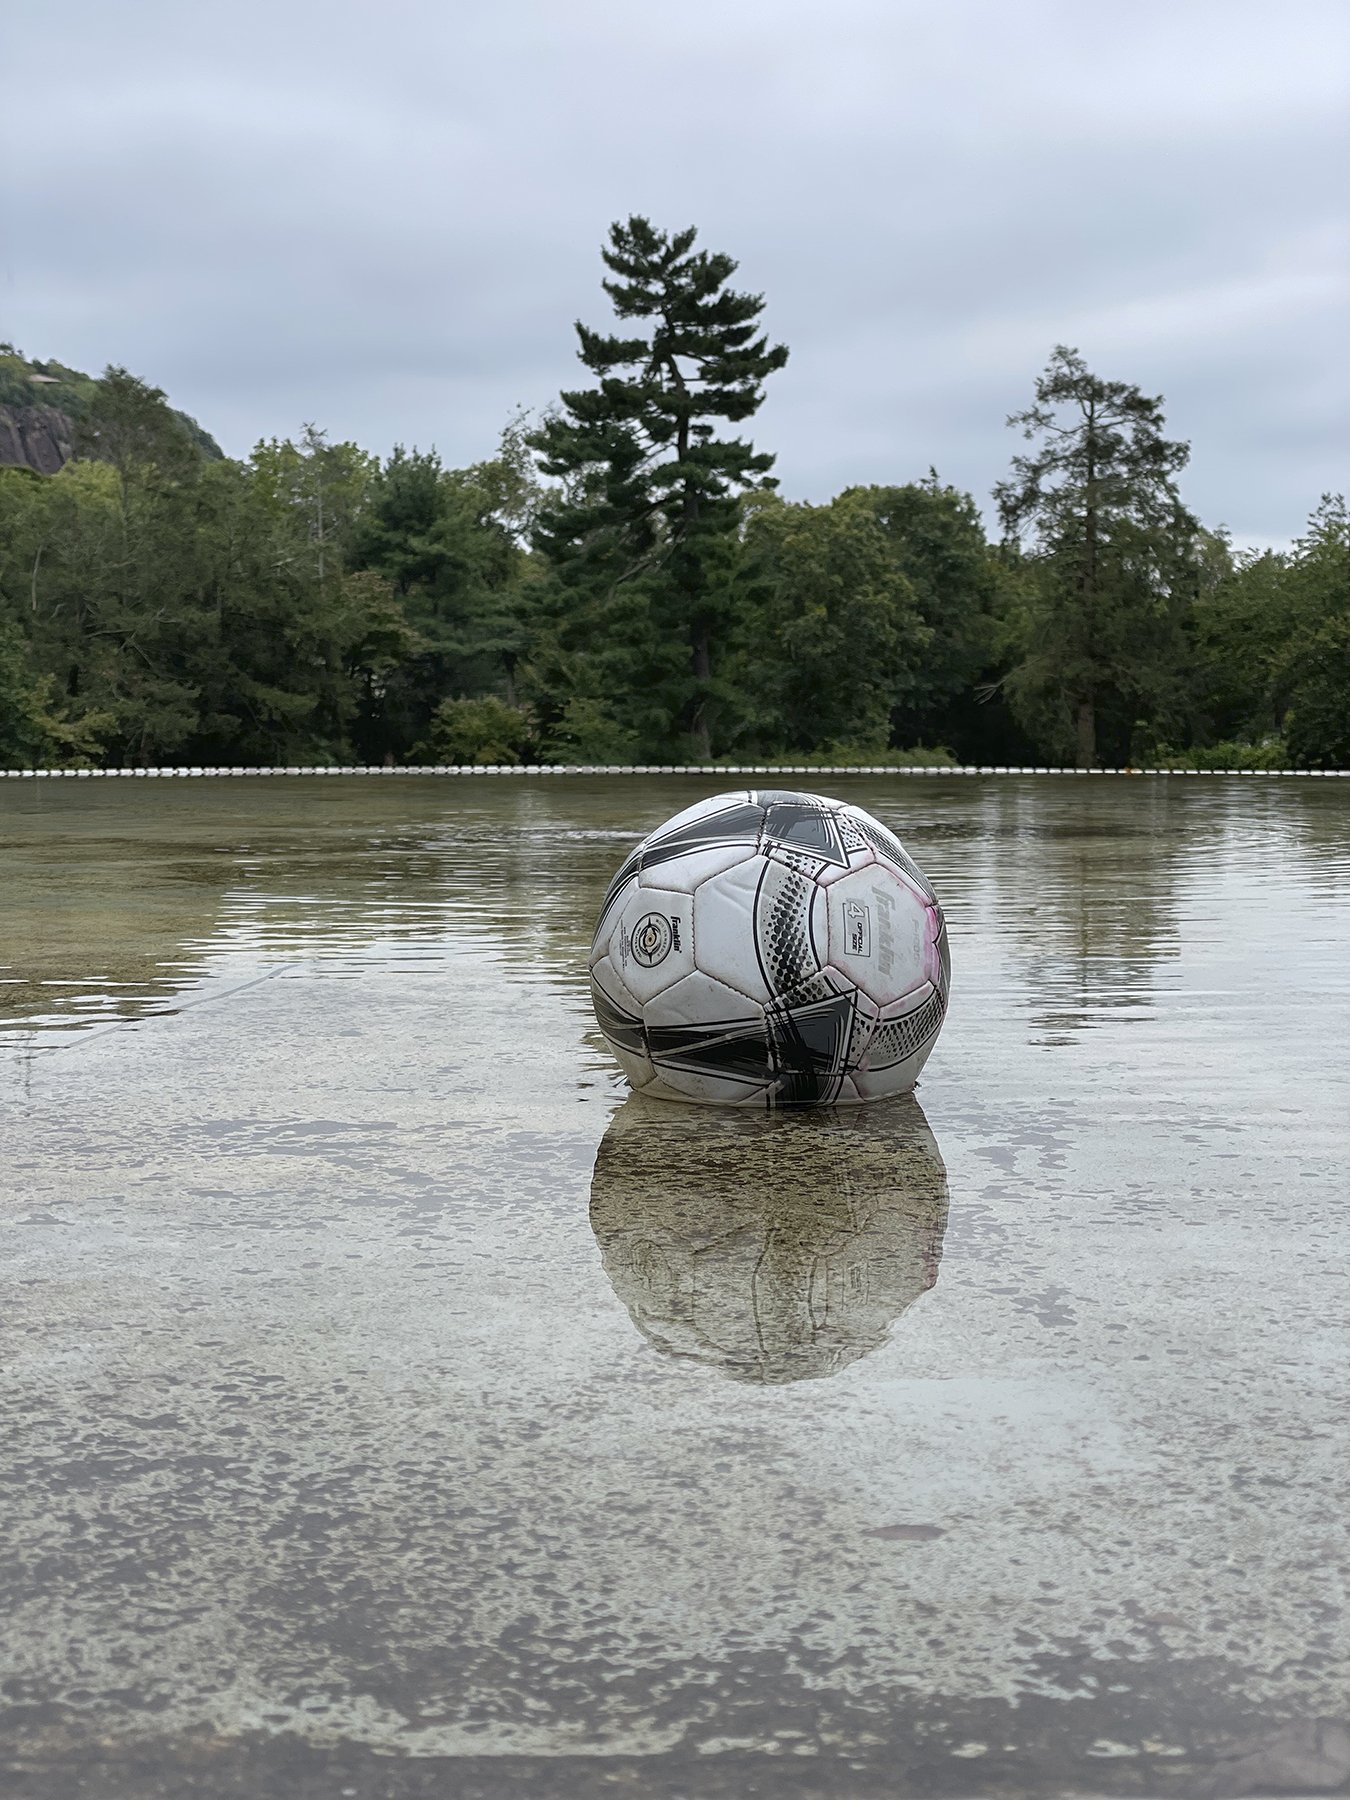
(118, 898)
(130, 891)
(1079, 879)
(1091, 884)
(1298, 830)
(110, 933)
(777, 1247)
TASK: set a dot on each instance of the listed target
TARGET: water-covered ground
(393, 1408)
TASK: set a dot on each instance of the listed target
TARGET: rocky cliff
(35, 437)
(41, 405)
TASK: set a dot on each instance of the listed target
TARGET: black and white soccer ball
(770, 949)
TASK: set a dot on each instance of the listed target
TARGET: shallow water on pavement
(392, 1406)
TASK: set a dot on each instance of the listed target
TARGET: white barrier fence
(538, 771)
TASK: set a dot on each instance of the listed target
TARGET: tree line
(621, 581)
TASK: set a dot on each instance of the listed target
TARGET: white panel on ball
(705, 1090)
(704, 809)
(724, 920)
(701, 1000)
(605, 978)
(771, 948)
(685, 874)
(652, 944)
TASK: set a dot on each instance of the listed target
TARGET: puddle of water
(391, 1401)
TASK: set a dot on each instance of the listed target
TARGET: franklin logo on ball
(885, 936)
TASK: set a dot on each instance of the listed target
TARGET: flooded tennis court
(394, 1406)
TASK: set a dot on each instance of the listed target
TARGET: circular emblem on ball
(652, 939)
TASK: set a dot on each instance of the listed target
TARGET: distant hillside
(41, 405)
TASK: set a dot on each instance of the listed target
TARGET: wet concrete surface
(376, 1415)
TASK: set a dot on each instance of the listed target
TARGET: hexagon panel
(880, 932)
(724, 925)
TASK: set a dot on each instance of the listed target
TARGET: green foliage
(1240, 640)
(485, 730)
(647, 596)
(1318, 722)
(837, 640)
(131, 425)
(960, 591)
(1271, 656)
(1316, 670)
(183, 610)
(447, 543)
(32, 733)
(588, 732)
(852, 756)
(1225, 755)
(25, 383)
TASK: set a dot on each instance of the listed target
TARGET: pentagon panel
(637, 1068)
(703, 809)
(790, 937)
(652, 941)
(806, 823)
(700, 1089)
(703, 1001)
(700, 1034)
(733, 820)
(810, 1040)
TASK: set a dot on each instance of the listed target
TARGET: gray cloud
(385, 218)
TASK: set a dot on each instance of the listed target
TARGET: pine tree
(1112, 555)
(649, 502)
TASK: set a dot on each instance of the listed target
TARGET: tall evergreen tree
(1112, 554)
(648, 512)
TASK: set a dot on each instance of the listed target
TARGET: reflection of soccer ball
(770, 949)
(772, 1249)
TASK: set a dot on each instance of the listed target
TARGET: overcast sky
(384, 217)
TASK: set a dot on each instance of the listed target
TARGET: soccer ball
(770, 949)
(786, 1249)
